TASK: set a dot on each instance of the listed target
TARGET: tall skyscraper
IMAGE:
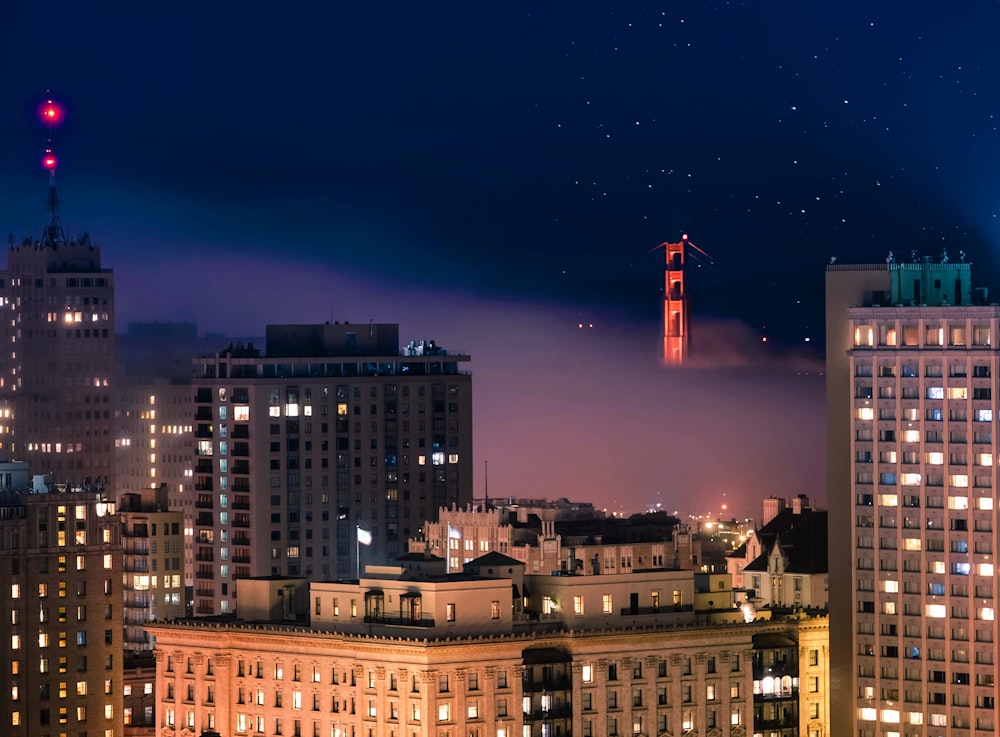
(57, 360)
(333, 429)
(912, 366)
(60, 554)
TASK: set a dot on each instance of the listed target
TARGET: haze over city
(494, 177)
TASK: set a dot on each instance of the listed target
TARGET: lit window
(867, 714)
(577, 605)
(864, 335)
(935, 611)
(606, 604)
(984, 569)
(935, 459)
(890, 587)
(910, 479)
(986, 613)
(866, 413)
(958, 392)
(890, 716)
(911, 436)
(888, 500)
(984, 415)
(985, 502)
(444, 712)
(935, 392)
(587, 673)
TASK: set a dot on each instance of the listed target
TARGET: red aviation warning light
(49, 160)
(51, 113)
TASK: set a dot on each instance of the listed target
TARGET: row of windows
(934, 335)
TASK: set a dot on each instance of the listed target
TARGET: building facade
(152, 564)
(58, 360)
(61, 557)
(912, 392)
(333, 429)
(468, 663)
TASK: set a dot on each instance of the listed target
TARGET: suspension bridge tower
(676, 332)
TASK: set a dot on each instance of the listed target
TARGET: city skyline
(518, 168)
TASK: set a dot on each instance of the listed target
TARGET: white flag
(454, 533)
(364, 536)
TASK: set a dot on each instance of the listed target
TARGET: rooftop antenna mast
(51, 113)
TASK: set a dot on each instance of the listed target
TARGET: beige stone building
(399, 655)
(912, 410)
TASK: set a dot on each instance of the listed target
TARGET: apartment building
(332, 429)
(60, 553)
(152, 564)
(912, 397)
(466, 654)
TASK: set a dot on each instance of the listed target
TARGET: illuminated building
(784, 563)
(56, 366)
(154, 447)
(62, 629)
(489, 652)
(584, 545)
(333, 429)
(912, 366)
(153, 563)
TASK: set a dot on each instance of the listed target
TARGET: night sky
(493, 175)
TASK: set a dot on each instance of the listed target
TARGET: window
(450, 612)
(606, 605)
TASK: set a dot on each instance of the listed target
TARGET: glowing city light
(49, 160)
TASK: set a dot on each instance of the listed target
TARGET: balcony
(241, 520)
(555, 683)
(395, 620)
(641, 610)
(558, 712)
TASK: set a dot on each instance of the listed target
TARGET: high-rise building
(333, 429)
(60, 554)
(56, 365)
(912, 366)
